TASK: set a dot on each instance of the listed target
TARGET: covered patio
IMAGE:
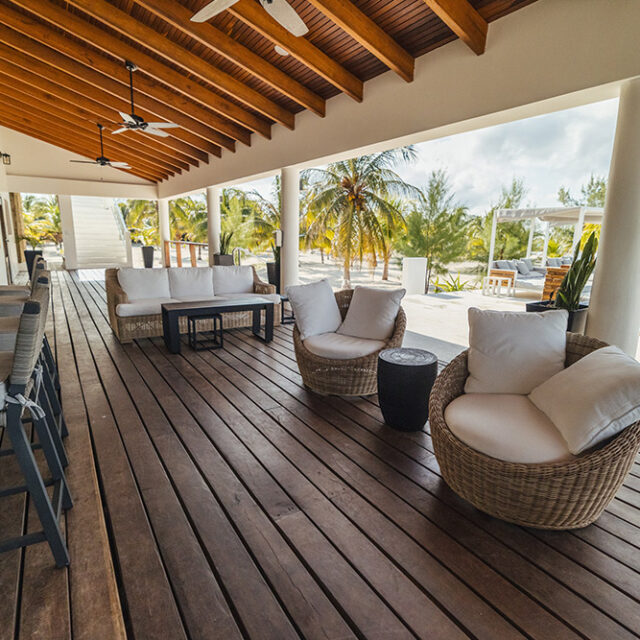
(215, 495)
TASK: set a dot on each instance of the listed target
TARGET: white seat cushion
(144, 307)
(9, 326)
(315, 308)
(335, 346)
(593, 399)
(372, 313)
(139, 284)
(513, 352)
(271, 297)
(232, 279)
(191, 283)
(507, 427)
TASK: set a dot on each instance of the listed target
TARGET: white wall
(39, 167)
(553, 54)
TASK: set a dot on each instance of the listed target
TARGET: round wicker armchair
(357, 377)
(563, 495)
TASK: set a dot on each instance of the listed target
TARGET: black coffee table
(172, 312)
(405, 379)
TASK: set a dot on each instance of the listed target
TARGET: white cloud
(558, 149)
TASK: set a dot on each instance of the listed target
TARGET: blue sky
(547, 152)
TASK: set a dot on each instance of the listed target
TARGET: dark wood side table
(172, 312)
(405, 379)
(286, 319)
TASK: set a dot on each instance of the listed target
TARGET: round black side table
(405, 379)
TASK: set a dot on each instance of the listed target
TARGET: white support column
(530, 241)
(577, 231)
(614, 309)
(164, 226)
(213, 221)
(68, 232)
(492, 246)
(545, 247)
(290, 224)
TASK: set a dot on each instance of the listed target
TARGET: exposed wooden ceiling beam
(31, 104)
(180, 17)
(59, 140)
(102, 82)
(72, 83)
(365, 31)
(195, 116)
(65, 98)
(461, 17)
(162, 46)
(88, 141)
(300, 48)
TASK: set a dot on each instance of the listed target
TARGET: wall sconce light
(6, 158)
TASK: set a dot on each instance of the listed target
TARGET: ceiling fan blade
(120, 165)
(281, 11)
(83, 161)
(155, 132)
(162, 125)
(121, 130)
(126, 117)
(212, 9)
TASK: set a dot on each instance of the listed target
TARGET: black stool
(213, 342)
(405, 379)
(284, 319)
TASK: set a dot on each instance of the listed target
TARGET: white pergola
(551, 216)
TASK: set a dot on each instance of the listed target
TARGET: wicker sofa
(141, 318)
(355, 377)
(561, 495)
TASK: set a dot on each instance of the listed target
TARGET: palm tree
(141, 218)
(351, 198)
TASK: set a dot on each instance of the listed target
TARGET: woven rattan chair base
(357, 377)
(565, 495)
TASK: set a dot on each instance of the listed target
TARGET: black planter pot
(577, 320)
(147, 256)
(30, 256)
(273, 274)
(223, 259)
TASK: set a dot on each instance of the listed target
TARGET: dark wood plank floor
(216, 498)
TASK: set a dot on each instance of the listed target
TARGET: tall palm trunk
(385, 268)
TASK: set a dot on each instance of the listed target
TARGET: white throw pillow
(315, 308)
(191, 283)
(593, 399)
(139, 284)
(513, 352)
(372, 313)
(232, 279)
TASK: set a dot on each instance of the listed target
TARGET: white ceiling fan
(133, 122)
(280, 10)
(101, 160)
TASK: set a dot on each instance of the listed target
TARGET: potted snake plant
(273, 268)
(225, 257)
(570, 291)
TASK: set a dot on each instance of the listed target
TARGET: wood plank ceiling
(62, 68)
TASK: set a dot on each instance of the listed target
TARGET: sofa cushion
(372, 313)
(507, 427)
(335, 346)
(593, 399)
(145, 307)
(191, 283)
(503, 264)
(513, 352)
(272, 297)
(315, 308)
(523, 267)
(232, 279)
(528, 262)
(140, 284)
(554, 262)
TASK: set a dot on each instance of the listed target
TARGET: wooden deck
(215, 498)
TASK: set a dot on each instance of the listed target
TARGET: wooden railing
(178, 244)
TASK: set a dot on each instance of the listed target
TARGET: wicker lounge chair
(356, 377)
(562, 495)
